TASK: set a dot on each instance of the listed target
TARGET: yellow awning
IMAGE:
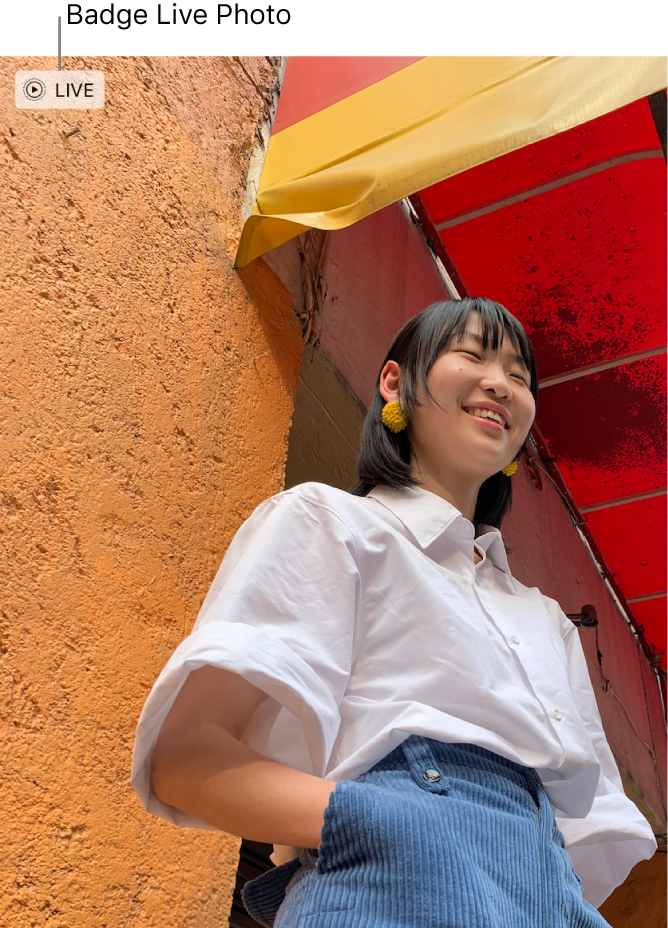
(423, 123)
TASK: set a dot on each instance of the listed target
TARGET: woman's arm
(200, 766)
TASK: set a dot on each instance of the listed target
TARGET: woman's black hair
(385, 457)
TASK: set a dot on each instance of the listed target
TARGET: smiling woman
(367, 685)
(448, 363)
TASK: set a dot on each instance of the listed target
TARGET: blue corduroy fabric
(435, 835)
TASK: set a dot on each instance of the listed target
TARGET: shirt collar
(427, 516)
(490, 541)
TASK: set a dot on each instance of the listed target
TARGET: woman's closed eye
(519, 377)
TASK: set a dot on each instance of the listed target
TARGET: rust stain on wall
(146, 399)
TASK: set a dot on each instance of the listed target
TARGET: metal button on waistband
(556, 713)
(514, 639)
(432, 775)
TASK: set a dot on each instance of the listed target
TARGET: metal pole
(59, 18)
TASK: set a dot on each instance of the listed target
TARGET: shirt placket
(522, 630)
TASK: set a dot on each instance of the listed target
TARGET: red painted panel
(626, 130)
(312, 84)
(582, 266)
(608, 430)
(632, 539)
(652, 615)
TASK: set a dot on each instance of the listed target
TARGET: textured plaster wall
(326, 427)
(146, 395)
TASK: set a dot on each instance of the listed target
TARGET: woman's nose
(496, 380)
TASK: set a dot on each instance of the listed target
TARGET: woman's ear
(389, 381)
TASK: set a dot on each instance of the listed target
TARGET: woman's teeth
(487, 414)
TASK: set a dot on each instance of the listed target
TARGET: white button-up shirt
(365, 620)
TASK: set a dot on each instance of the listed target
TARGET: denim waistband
(431, 764)
(418, 751)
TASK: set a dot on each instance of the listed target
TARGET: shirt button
(557, 714)
(514, 639)
(432, 775)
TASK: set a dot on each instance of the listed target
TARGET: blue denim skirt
(435, 835)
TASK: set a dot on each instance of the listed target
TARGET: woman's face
(452, 436)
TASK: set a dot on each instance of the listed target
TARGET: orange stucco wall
(146, 397)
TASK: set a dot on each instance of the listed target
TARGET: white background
(354, 27)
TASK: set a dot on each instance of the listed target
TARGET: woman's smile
(488, 424)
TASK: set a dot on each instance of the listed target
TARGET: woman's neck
(462, 495)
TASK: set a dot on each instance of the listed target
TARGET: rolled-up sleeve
(614, 836)
(281, 613)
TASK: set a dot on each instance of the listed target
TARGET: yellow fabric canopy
(428, 121)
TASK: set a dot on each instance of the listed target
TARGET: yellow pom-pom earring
(510, 469)
(393, 416)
